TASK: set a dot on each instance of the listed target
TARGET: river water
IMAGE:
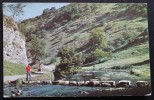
(74, 91)
(29, 90)
(50, 90)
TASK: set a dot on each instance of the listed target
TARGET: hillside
(72, 25)
(125, 29)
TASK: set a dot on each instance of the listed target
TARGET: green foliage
(75, 70)
(68, 58)
(138, 9)
(10, 68)
(54, 59)
(66, 55)
(98, 38)
(78, 59)
(97, 54)
(37, 48)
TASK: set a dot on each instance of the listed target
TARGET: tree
(66, 55)
(98, 38)
(37, 49)
(16, 10)
(69, 60)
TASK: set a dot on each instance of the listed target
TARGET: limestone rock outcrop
(13, 42)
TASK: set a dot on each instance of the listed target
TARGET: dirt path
(50, 67)
(46, 68)
(12, 78)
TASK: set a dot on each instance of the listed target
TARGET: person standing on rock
(40, 67)
(28, 73)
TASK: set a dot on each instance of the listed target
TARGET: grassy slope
(134, 26)
(10, 68)
(125, 58)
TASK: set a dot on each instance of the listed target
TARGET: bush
(37, 48)
(53, 60)
(66, 55)
(78, 59)
(68, 58)
(98, 38)
(61, 70)
(97, 55)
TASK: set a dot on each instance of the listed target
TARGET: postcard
(75, 49)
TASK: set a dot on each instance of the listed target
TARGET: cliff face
(13, 43)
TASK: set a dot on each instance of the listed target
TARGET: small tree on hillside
(98, 38)
(37, 49)
(68, 59)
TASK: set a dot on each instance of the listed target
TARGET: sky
(35, 9)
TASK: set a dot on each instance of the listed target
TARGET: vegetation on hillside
(98, 38)
(86, 34)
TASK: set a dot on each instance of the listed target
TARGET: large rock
(13, 43)
(142, 83)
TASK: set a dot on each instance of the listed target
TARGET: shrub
(97, 55)
(66, 54)
(78, 59)
(98, 38)
(68, 58)
(53, 60)
(131, 72)
(37, 48)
